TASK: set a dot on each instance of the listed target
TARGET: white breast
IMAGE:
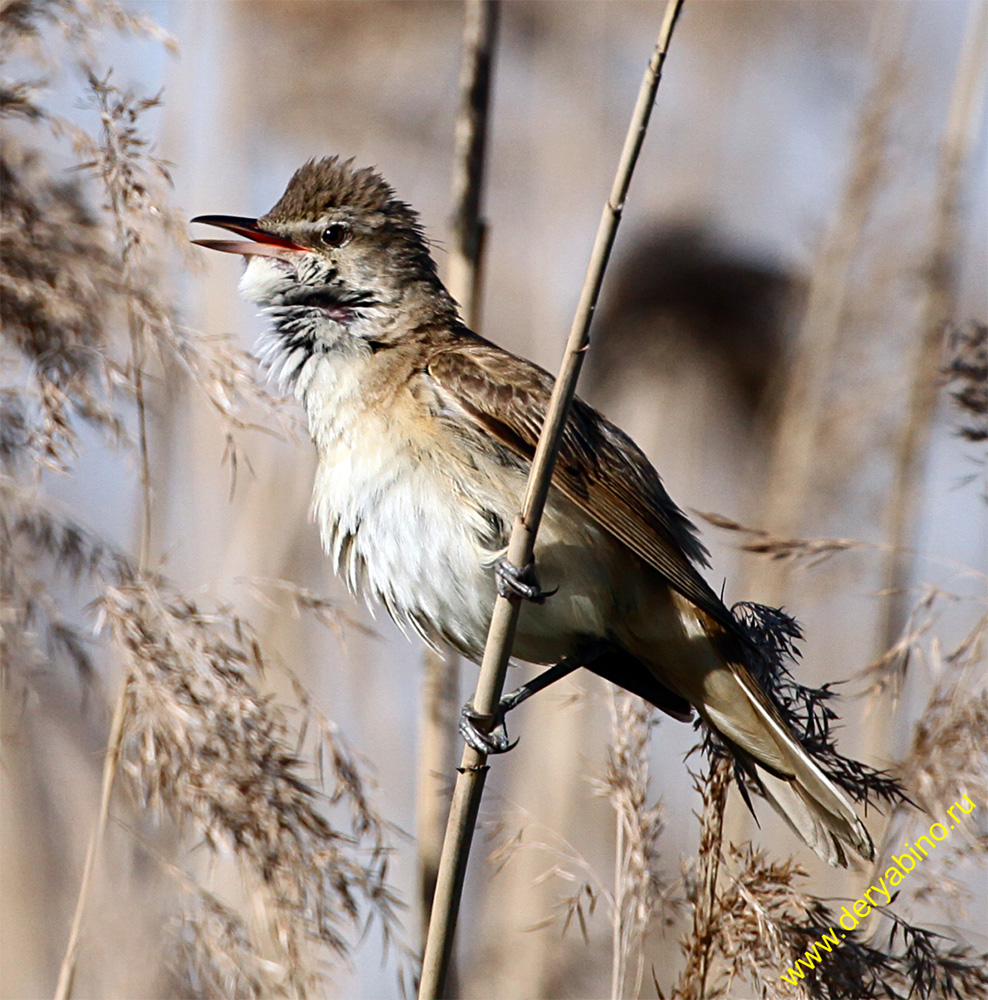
(401, 512)
(389, 515)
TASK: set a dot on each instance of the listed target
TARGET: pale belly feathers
(414, 516)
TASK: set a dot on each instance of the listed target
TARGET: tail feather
(693, 656)
(816, 809)
(803, 818)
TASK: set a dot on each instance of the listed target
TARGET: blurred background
(759, 336)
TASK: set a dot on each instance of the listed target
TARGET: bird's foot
(515, 582)
(487, 734)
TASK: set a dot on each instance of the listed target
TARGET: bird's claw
(515, 582)
(474, 729)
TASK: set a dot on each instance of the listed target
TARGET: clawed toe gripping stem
(487, 734)
(515, 582)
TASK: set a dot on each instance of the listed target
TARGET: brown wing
(599, 467)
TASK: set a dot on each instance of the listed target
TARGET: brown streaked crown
(320, 186)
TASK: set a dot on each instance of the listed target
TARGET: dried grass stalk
(639, 891)
(795, 445)
(967, 377)
(441, 703)
(939, 305)
(699, 946)
(83, 314)
(811, 551)
(204, 744)
(469, 786)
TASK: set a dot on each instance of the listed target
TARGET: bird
(424, 433)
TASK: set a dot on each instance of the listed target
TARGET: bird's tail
(816, 809)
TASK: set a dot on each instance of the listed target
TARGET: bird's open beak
(263, 244)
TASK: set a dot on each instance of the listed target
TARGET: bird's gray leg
(488, 733)
(515, 582)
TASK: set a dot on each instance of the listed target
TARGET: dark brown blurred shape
(683, 295)
(967, 377)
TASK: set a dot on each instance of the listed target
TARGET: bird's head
(338, 252)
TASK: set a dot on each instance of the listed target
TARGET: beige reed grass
(83, 307)
(440, 695)
(939, 299)
(639, 890)
(819, 340)
(113, 162)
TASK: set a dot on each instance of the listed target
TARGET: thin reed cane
(473, 767)
(820, 339)
(66, 972)
(118, 725)
(468, 226)
(939, 305)
(440, 699)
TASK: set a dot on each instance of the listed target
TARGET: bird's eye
(336, 235)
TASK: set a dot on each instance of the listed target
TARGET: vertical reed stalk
(137, 356)
(468, 225)
(638, 892)
(441, 686)
(939, 305)
(473, 766)
(437, 758)
(66, 972)
(795, 443)
(617, 913)
(694, 979)
(118, 725)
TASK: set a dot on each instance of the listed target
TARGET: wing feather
(599, 467)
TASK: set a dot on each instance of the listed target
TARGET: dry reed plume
(752, 918)
(640, 890)
(87, 325)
